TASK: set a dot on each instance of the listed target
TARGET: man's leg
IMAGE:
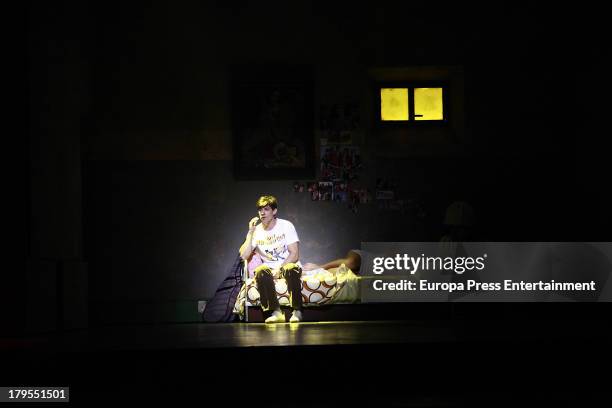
(292, 274)
(265, 285)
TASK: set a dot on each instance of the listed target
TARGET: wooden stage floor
(373, 363)
(194, 336)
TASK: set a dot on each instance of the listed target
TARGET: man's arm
(294, 253)
(246, 249)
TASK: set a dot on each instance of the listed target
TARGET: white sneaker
(277, 317)
(296, 316)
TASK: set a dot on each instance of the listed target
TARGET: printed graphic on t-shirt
(270, 239)
(276, 253)
(271, 252)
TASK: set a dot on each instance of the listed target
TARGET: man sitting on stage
(276, 242)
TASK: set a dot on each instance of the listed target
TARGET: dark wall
(163, 215)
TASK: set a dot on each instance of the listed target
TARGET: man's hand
(276, 273)
(253, 224)
(310, 266)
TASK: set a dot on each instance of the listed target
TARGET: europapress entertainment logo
(412, 264)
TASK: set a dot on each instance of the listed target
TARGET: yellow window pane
(394, 103)
(428, 104)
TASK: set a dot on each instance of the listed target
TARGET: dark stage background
(134, 213)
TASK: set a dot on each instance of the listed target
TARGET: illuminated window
(394, 103)
(428, 104)
(406, 104)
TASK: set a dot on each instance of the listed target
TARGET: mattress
(323, 287)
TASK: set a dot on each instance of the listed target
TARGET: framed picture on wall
(272, 122)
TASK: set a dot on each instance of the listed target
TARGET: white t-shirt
(273, 245)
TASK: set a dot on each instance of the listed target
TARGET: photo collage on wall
(340, 161)
(340, 166)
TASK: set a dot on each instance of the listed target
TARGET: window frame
(411, 85)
